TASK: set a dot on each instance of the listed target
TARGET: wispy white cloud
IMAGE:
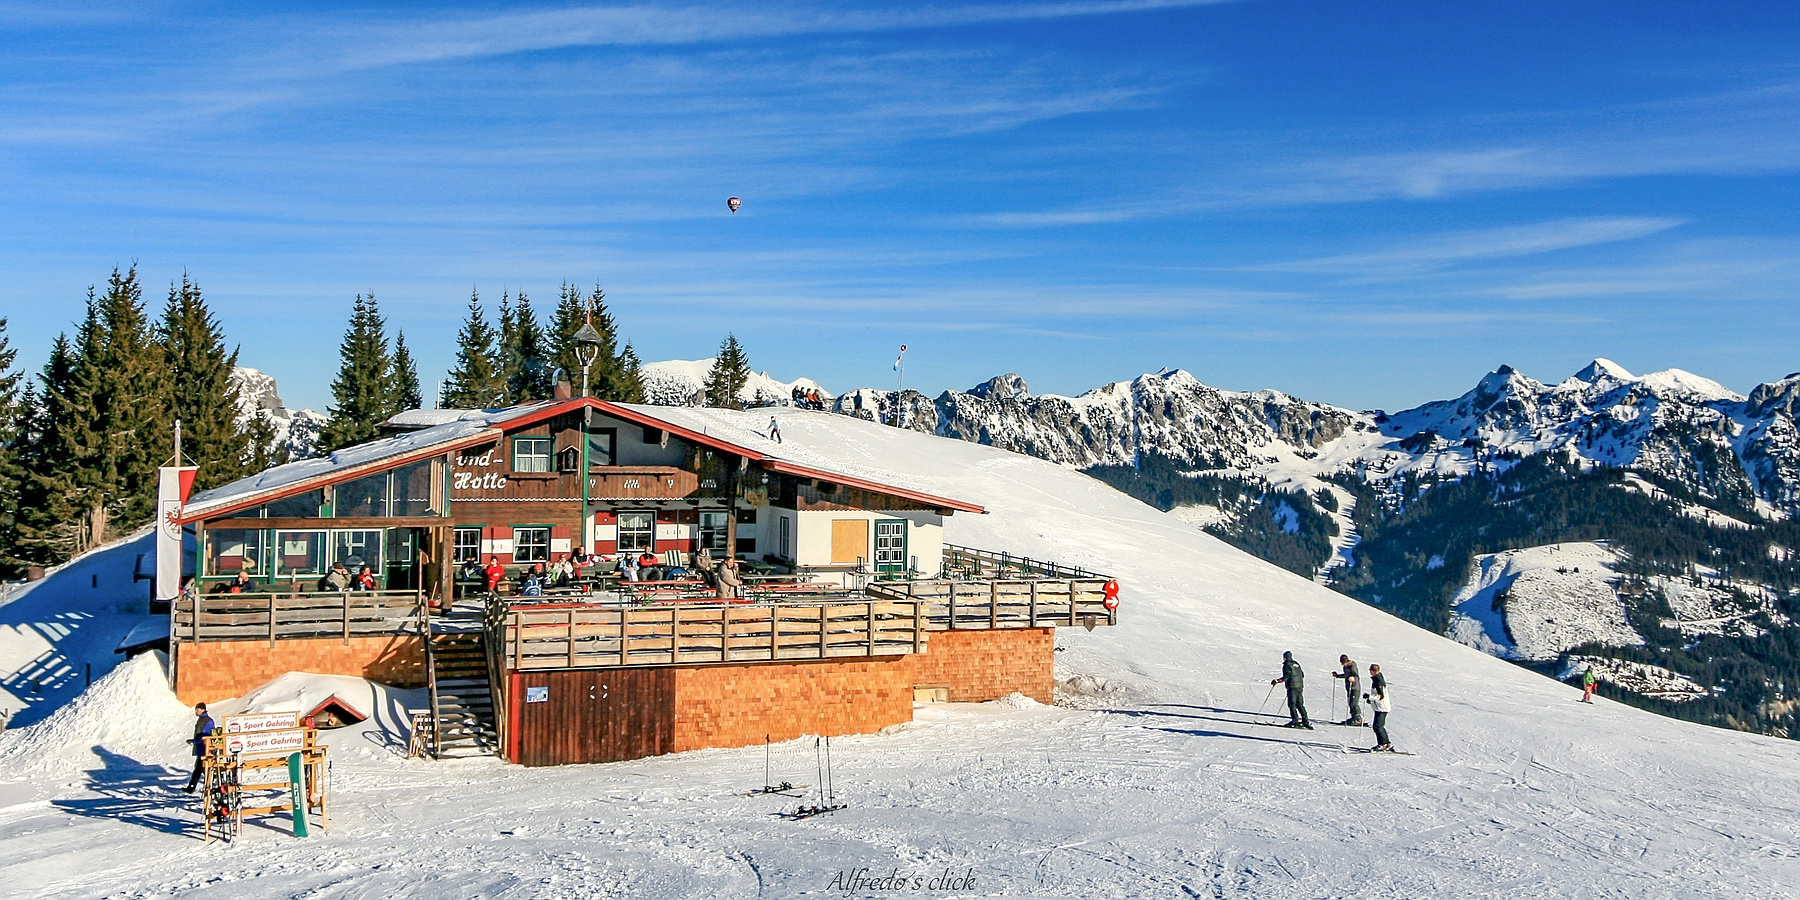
(1441, 251)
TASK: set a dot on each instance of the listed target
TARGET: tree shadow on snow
(130, 791)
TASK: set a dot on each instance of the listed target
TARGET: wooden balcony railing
(589, 636)
(269, 616)
(948, 604)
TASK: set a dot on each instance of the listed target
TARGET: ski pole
(1263, 709)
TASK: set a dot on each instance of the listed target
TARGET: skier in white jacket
(1378, 699)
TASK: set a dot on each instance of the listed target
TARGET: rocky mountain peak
(1001, 387)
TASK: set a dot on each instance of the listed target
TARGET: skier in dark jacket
(1296, 691)
(203, 726)
(1352, 688)
(1378, 699)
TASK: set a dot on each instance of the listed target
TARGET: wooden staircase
(462, 700)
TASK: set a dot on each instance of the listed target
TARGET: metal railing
(951, 605)
(971, 564)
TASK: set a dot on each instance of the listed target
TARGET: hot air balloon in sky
(734, 203)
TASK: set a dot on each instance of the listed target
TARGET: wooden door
(595, 715)
(849, 540)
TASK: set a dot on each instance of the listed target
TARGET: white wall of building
(924, 536)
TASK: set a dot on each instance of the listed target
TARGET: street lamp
(587, 349)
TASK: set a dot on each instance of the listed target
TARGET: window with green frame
(533, 454)
(531, 543)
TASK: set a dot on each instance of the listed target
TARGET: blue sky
(1367, 204)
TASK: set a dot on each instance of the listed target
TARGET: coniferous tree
(507, 363)
(262, 450)
(476, 382)
(405, 377)
(14, 396)
(526, 358)
(361, 394)
(728, 375)
(103, 429)
(204, 397)
(631, 370)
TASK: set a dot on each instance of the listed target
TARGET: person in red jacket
(495, 574)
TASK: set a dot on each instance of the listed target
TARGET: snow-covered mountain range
(1688, 429)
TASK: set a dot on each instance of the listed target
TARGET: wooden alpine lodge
(852, 609)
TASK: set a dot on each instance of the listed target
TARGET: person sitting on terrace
(532, 585)
(494, 574)
(471, 571)
(628, 567)
(580, 560)
(730, 580)
(364, 580)
(703, 564)
(223, 587)
(564, 572)
(650, 566)
(242, 584)
(338, 579)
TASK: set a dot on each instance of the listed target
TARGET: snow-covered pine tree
(203, 395)
(476, 382)
(361, 394)
(728, 375)
(404, 379)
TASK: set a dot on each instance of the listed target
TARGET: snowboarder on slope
(1588, 681)
(774, 430)
(1352, 688)
(1295, 679)
(203, 726)
(1378, 699)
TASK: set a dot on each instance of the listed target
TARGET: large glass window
(299, 506)
(533, 454)
(365, 496)
(712, 530)
(357, 548)
(299, 553)
(468, 545)
(412, 490)
(230, 550)
(531, 543)
(637, 531)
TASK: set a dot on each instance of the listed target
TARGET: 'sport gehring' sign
(274, 721)
(260, 743)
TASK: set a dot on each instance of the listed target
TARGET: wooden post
(624, 614)
(674, 633)
(571, 637)
(871, 614)
(1034, 585)
(346, 620)
(994, 604)
(1071, 583)
(824, 618)
(774, 628)
(918, 627)
(271, 620)
(724, 634)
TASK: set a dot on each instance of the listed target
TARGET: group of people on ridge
(1376, 695)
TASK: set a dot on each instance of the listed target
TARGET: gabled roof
(458, 430)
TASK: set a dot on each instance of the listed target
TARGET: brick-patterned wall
(215, 670)
(736, 706)
(987, 665)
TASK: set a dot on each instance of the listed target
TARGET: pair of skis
(827, 789)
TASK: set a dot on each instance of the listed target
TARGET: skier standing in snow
(1588, 681)
(1295, 679)
(1352, 687)
(1378, 699)
(774, 430)
(203, 726)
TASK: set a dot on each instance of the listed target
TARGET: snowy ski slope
(1157, 778)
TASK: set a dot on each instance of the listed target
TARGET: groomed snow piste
(1158, 777)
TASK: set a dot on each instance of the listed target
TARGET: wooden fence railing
(969, 563)
(595, 636)
(252, 617)
(947, 604)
